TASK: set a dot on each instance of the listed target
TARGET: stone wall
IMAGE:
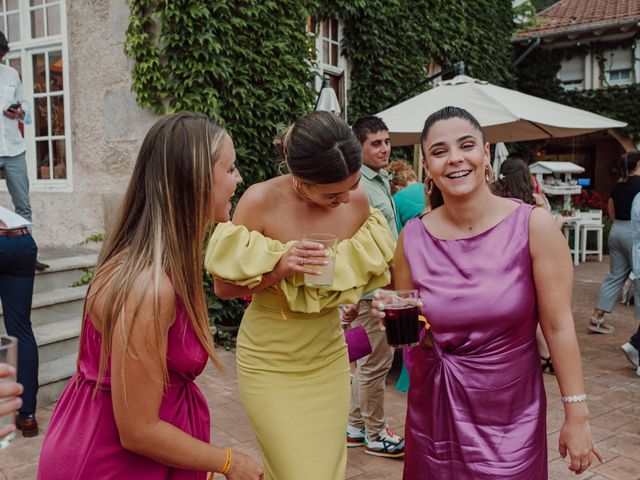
(107, 126)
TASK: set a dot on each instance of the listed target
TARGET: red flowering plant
(589, 200)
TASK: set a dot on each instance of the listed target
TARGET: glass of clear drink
(8, 355)
(325, 279)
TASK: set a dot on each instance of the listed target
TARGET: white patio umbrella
(505, 115)
(500, 155)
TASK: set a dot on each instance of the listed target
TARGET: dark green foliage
(391, 44)
(243, 63)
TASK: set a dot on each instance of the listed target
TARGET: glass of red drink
(401, 316)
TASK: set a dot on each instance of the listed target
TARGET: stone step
(56, 305)
(63, 271)
(53, 377)
(59, 339)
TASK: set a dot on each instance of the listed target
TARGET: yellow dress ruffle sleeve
(241, 257)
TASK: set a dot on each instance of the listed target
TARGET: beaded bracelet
(574, 398)
(227, 463)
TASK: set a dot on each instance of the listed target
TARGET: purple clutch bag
(358, 344)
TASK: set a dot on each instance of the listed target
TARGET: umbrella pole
(417, 164)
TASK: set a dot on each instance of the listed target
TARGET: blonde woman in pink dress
(133, 410)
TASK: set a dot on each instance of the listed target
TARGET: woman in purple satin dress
(487, 270)
(133, 410)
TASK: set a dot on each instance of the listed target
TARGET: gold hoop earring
(488, 174)
(428, 186)
(298, 189)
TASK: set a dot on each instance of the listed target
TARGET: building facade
(600, 46)
(87, 127)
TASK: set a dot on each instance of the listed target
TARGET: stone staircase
(56, 312)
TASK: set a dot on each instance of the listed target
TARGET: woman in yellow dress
(292, 364)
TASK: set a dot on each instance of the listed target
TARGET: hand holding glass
(325, 279)
(9, 389)
(401, 310)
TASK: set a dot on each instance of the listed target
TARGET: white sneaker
(638, 371)
(355, 436)
(632, 354)
(388, 444)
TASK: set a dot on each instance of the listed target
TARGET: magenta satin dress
(476, 403)
(82, 440)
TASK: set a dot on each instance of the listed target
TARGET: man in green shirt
(367, 425)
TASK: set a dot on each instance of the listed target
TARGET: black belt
(15, 232)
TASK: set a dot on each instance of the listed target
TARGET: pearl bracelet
(574, 398)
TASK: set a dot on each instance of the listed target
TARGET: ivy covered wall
(390, 44)
(248, 64)
(245, 64)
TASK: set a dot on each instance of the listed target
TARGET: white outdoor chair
(566, 229)
(591, 221)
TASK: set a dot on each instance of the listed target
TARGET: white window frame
(572, 85)
(25, 49)
(619, 81)
(572, 74)
(321, 68)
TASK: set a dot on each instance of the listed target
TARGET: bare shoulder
(544, 234)
(541, 219)
(254, 205)
(255, 194)
(142, 297)
(360, 204)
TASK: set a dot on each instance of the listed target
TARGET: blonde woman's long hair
(167, 209)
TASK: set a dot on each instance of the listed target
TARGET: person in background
(292, 363)
(15, 110)
(620, 241)
(10, 400)
(18, 253)
(476, 408)
(408, 193)
(632, 348)
(515, 181)
(367, 422)
(409, 199)
(133, 410)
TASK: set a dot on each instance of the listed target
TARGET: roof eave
(572, 29)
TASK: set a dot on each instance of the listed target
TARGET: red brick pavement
(612, 385)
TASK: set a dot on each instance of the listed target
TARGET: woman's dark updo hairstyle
(320, 148)
(435, 199)
(514, 180)
(628, 163)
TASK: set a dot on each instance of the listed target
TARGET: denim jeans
(17, 272)
(15, 172)
(620, 251)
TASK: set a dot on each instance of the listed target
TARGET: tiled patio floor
(613, 387)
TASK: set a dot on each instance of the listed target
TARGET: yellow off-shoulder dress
(293, 371)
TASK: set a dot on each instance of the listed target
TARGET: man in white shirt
(15, 110)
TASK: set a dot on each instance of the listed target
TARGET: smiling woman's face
(455, 156)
